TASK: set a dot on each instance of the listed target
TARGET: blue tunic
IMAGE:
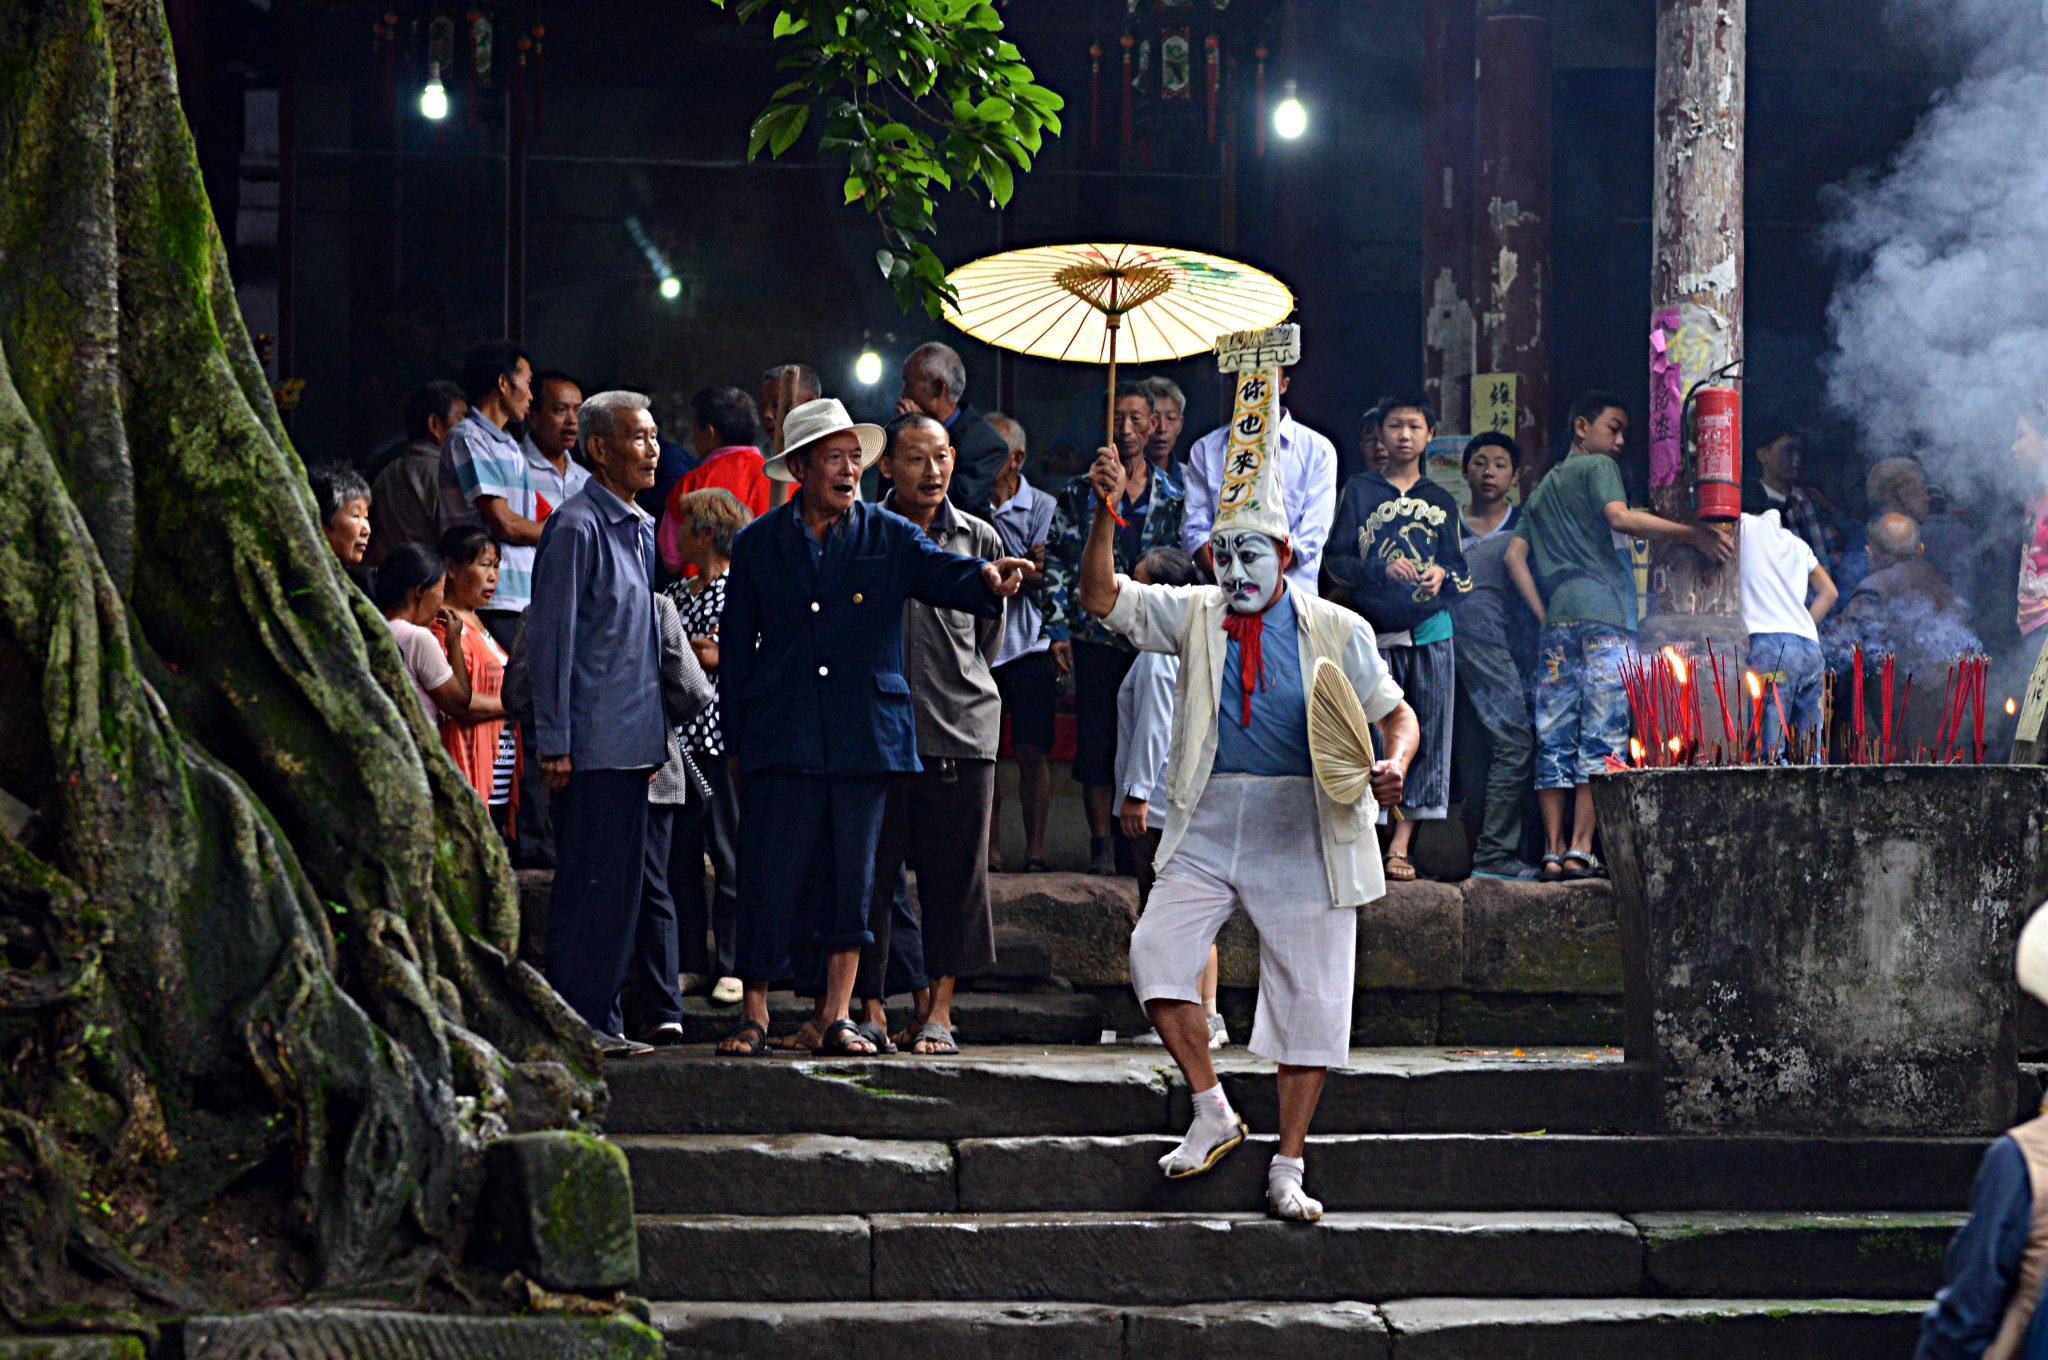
(1276, 743)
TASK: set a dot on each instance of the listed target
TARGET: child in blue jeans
(1564, 565)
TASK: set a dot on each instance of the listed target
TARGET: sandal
(931, 1031)
(805, 1040)
(752, 1038)
(1037, 866)
(1552, 870)
(1399, 868)
(878, 1035)
(1591, 865)
(840, 1036)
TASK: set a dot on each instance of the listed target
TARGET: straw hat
(812, 421)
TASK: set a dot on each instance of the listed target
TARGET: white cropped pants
(1254, 840)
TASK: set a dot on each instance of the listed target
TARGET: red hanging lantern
(1212, 66)
(1717, 452)
(1259, 97)
(1095, 98)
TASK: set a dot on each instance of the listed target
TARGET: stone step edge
(1110, 1330)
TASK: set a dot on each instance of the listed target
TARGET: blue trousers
(600, 843)
(807, 859)
(1792, 663)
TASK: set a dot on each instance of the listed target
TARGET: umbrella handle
(1115, 323)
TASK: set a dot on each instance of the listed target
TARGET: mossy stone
(558, 1206)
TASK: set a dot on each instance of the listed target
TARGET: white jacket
(1188, 621)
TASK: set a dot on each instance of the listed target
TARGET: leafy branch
(917, 93)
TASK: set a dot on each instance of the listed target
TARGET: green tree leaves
(915, 94)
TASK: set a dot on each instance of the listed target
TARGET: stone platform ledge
(378, 1334)
(1482, 935)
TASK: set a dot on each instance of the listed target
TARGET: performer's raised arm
(1098, 555)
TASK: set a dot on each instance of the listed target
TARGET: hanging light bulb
(434, 98)
(1290, 119)
(868, 368)
(671, 288)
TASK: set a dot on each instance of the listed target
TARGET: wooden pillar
(1511, 211)
(1448, 323)
(1696, 271)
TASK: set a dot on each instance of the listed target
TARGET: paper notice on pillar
(1493, 403)
(1688, 344)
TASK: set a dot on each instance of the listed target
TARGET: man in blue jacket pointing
(816, 708)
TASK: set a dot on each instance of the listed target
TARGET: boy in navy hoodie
(1394, 556)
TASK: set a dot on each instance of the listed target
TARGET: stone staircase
(1006, 1204)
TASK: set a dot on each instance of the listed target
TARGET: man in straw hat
(1246, 821)
(817, 711)
(1991, 1305)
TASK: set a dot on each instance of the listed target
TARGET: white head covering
(1250, 497)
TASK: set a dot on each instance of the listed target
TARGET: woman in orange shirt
(484, 745)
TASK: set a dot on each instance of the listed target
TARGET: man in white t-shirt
(1779, 573)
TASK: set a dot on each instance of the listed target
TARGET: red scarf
(1247, 630)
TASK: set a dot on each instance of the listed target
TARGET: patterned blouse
(701, 610)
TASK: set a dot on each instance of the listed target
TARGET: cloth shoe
(1285, 1199)
(1219, 1036)
(1102, 856)
(728, 992)
(1509, 869)
(1214, 1134)
(1149, 1039)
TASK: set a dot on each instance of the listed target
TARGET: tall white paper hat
(2032, 963)
(1250, 496)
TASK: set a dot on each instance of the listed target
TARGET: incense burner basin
(1825, 949)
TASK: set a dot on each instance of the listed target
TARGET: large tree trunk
(256, 918)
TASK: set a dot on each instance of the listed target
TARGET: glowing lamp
(868, 368)
(1290, 119)
(671, 287)
(434, 98)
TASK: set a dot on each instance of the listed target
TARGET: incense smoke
(1940, 322)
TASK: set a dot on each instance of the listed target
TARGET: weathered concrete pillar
(1449, 325)
(1696, 271)
(1511, 211)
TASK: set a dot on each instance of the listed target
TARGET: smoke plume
(1940, 321)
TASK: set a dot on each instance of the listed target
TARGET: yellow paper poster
(1493, 403)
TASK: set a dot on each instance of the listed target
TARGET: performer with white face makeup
(1246, 820)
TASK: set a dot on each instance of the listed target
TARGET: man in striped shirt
(484, 479)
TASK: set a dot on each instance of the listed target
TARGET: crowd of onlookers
(554, 569)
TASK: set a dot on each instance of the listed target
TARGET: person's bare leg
(1404, 833)
(841, 966)
(1582, 820)
(1034, 796)
(1553, 801)
(995, 830)
(1300, 1089)
(938, 1008)
(1096, 797)
(1184, 1029)
(1207, 986)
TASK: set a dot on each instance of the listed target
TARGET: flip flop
(756, 1046)
(838, 1035)
(933, 1030)
(878, 1035)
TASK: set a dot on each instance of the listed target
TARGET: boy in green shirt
(1586, 607)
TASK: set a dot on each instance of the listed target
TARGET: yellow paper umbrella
(1087, 303)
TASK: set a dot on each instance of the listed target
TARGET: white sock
(1284, 1196)
(1214, 1124)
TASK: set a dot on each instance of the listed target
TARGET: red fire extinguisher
(1717, 452)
